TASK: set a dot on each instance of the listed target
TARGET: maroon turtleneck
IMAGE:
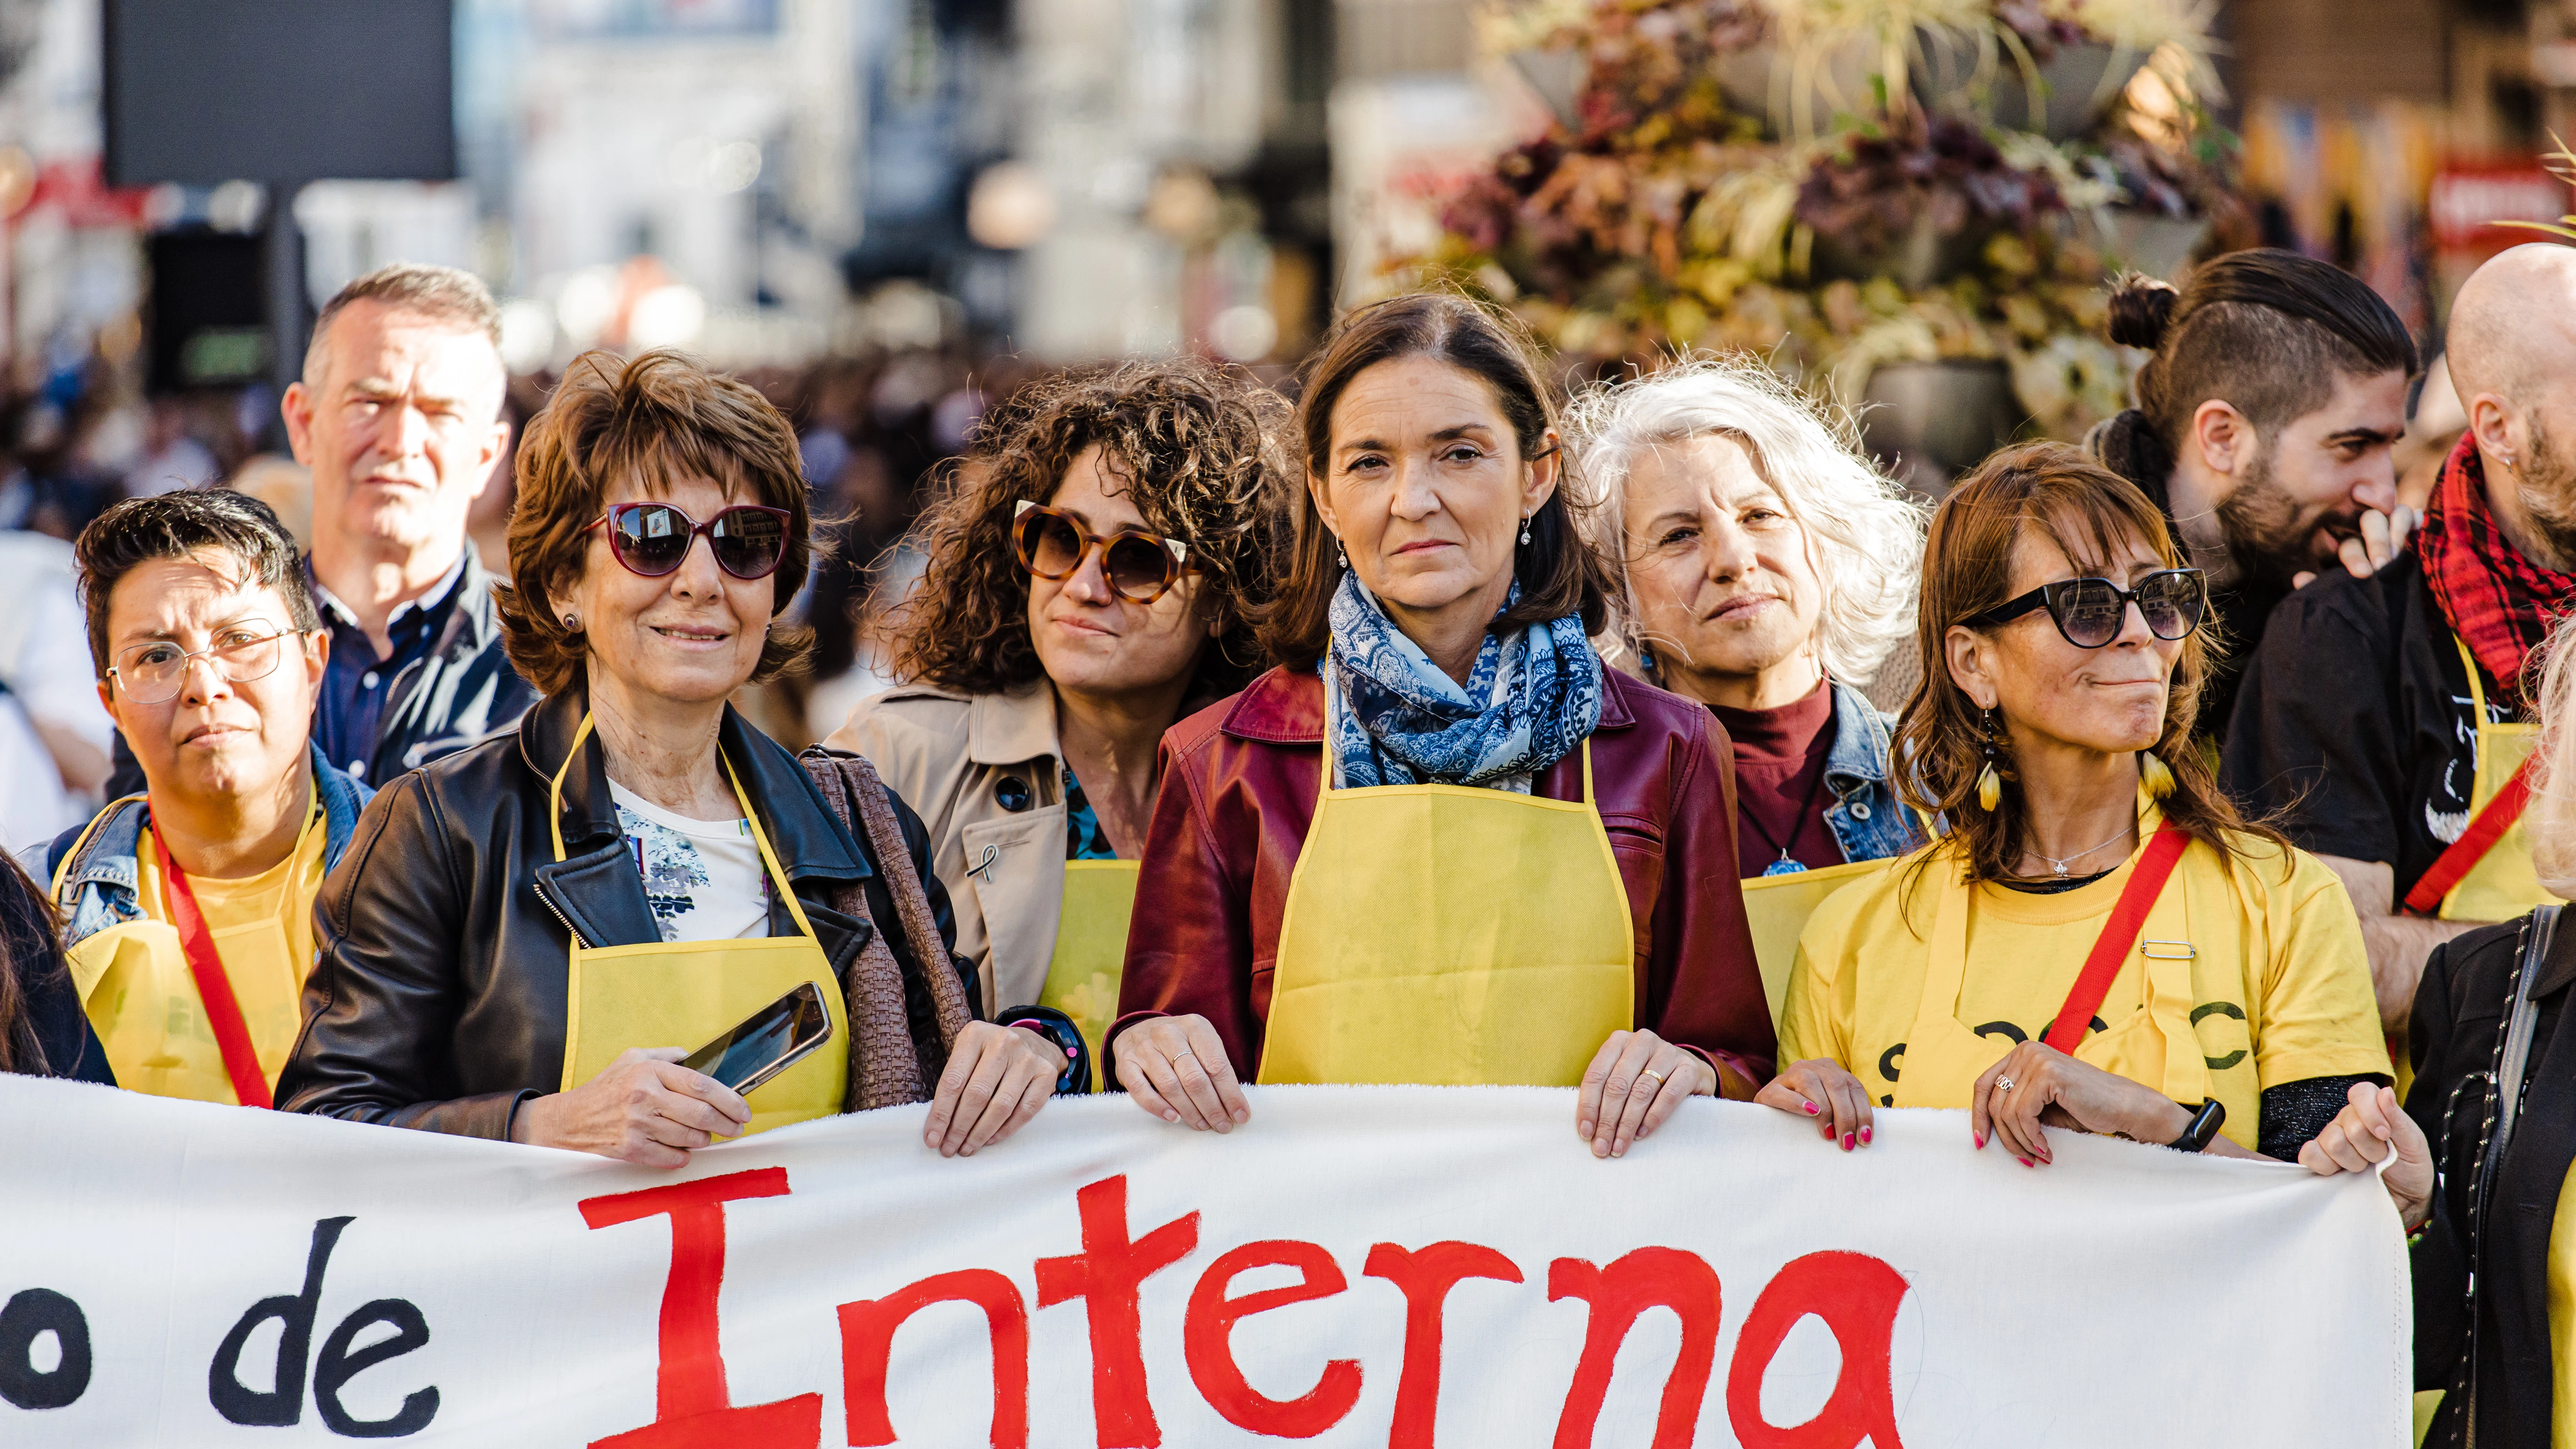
(1779, 764)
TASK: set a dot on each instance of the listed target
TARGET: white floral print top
(702, 878)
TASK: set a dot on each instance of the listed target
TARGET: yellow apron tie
(682, 993)
(1091, 947)
(1449, 935)
(137, 991)
(2504, 884)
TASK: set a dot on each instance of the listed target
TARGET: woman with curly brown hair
(1094, 569)
(1441, 844)
(2101, 941)
(528, 937)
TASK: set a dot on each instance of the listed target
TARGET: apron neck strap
(554, 791)
(768, 857)
(2477, 687)
(750, 818)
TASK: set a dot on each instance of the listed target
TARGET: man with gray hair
(398, 416)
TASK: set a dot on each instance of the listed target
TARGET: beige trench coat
(948, 755)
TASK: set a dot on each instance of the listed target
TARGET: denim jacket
(1867, 819)
(102, 887)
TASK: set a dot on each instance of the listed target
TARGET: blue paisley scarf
(1398, 719)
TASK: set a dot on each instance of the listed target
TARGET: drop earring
(1990, 786)
(1341, 556)
(1524, 532)
(2155, 774)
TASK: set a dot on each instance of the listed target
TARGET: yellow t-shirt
(2562, 1316)
(263, 931)
(2289, 999)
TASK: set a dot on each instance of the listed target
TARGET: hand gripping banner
(1357, 1266)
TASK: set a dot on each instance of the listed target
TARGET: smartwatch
(1058, 1028)
(2204, 1127)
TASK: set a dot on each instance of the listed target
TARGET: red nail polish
(1847, 1142)
(1981, 1140)
(1864, 1137)
(1811, 1109)
(2024, 1161)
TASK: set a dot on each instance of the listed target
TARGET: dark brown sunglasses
(1141, 567)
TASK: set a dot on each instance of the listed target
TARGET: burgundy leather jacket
(1238, 791)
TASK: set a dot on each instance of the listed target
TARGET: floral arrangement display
(1849, 186)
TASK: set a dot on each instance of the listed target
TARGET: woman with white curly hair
(1767, 569)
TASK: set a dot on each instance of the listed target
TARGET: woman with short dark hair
(532, 933)
(1440, 843)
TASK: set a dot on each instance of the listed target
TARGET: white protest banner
(1357, 1266)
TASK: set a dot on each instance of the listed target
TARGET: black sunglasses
(2089, 613)
(653, 539)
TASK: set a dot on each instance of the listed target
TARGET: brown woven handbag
(903, 1016)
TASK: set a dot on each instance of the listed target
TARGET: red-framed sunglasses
(654, 539)
(1141, 567)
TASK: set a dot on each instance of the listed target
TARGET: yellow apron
(139, 995)
(2504, 884)
(1449, 935)
(2156, 1045)
(683, 993)
(1091, 948)
(1776, 907)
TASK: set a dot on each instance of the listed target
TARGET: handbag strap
(911, 1018)
(2504, 1107)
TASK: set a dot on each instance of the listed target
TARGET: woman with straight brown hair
(1440, 843)
(2101, 941)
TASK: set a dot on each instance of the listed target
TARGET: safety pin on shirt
(2147, 948)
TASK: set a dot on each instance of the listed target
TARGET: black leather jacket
(2459, 1015)
(438, 995)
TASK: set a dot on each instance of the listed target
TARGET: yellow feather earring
(2157, 776)
(1990, 786)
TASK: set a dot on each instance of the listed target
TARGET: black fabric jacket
(2459, 1014)
(439, 994)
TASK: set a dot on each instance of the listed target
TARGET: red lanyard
(214, 988)
(2111, 948)
(2454, 864)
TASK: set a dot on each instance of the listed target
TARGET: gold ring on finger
(2004, 1083)
(1658, 1076)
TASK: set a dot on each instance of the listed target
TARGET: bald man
(2382, 720)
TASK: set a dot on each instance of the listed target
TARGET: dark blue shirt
(356, 683)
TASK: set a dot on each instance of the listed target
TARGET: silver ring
(2004, 1082)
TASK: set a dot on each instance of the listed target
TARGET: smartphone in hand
(767, 1042)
